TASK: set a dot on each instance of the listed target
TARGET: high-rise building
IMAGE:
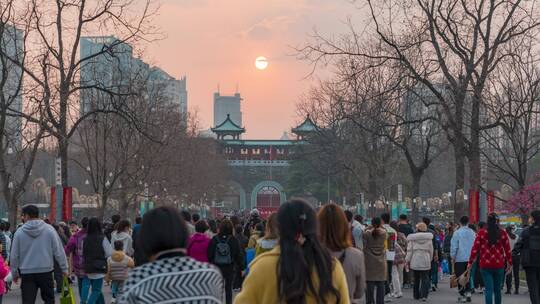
(227, 105)
(172, 89)
(117, 70)
(12, 45)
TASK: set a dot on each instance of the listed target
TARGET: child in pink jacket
(198, 243)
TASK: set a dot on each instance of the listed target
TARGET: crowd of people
(297, 255)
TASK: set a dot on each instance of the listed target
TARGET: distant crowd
(297, 255)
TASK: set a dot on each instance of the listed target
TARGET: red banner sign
(52, 212)
(474, 200)
(490, 202)
(67, 203)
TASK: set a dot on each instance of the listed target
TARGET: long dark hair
(493, 230)
(376, 224)
(301, 253)
(94, 227)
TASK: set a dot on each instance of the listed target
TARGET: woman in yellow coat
(300, 269)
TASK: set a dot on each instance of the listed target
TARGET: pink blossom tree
(525, 200)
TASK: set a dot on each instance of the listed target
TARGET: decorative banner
(474, 200)
(490, 202)
(67, 203)
(58, 171)
(52, 206)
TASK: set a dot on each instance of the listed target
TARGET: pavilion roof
(305, 127)
(228, 126)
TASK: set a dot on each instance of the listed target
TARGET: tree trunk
(124, 204)
(103, 207)
(416, 178)
(63, 155)
(13, 205)
(459, 162)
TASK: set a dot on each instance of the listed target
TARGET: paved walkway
(446, 295)
(443, 296)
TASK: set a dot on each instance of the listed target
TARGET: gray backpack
(222, 256)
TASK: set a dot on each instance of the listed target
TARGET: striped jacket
(176, 279)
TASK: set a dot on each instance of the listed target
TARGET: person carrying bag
(67, 296)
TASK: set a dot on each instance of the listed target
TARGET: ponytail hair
(301, 254)
(493, 230)
(377, 225)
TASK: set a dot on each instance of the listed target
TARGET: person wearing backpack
(528, 248)
(224, 252)
(335, 234)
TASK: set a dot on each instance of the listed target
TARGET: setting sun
(261, 63)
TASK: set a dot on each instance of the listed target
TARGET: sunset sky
(216, 42)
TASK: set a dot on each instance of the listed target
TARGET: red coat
(491, 256)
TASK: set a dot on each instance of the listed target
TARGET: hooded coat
(125, 238)
(198, 247)
(35, 247)
(420, 250)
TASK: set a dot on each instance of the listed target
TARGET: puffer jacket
(420, 250)
(198, 247)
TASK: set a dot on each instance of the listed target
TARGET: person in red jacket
(493, 246)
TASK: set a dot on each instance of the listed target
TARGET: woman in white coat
(122, 234)
(419, 256)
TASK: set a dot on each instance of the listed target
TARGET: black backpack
(222, 256)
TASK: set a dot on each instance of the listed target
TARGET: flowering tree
(525, 200)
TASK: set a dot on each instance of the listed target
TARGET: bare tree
(456, 44)
(19, 139)
(515, 105)
(53, 65)
(343, 149)
(118, 154)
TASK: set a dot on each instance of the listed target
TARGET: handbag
(464, 278)
(453, 281)
(67, 296)
(453, 277)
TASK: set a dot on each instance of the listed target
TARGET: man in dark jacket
(404, 226)
(528, 246)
